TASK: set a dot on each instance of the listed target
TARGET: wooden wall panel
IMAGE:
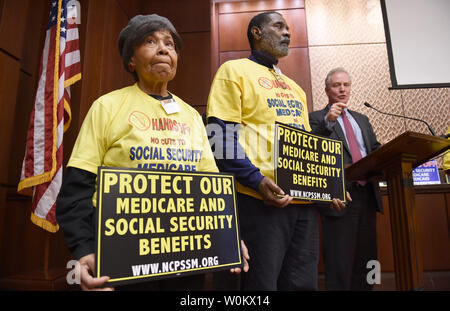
(33, 45)
(186, 15)
(447, 204)
(384, 239)
(256, 6)
(3, 250)
(1, 7)
(432, 227)
(23, 238)
(13, 26)
(191, 82)
(130, 7)
(432, 232)
(233, 29)
(229, 55)
(296, 67)
(297, 27)
(9, 85)
(191, 18)
(102, 68)
(23, 107)
(215, 51)
(92, 58)
(24, 246)
(113, 74)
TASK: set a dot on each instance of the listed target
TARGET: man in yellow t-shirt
(247, 97)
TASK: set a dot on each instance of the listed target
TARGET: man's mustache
(287, 40)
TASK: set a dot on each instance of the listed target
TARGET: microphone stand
(400, 116)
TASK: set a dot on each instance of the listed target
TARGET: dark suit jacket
(318, 126)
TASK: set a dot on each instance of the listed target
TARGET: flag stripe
(72, 58)
(39, 114)
(72, 33)
(59, 68)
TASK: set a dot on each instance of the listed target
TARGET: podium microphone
(400, 116)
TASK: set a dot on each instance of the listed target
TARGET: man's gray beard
(274, 49)
(284, 51)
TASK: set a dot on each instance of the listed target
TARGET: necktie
(353, 144)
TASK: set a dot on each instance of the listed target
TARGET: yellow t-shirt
(248, 93)
(128, 128)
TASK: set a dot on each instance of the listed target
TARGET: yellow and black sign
(307, 166)
(160, 224)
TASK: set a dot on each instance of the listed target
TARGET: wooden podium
(394, 162)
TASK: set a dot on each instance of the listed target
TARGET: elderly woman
(121, 129)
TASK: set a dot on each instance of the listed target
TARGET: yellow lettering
(165, 184)
(135, 205)
(146, 206)
(206, 239)
(110, 179)
(188, 180)
(174, 224)
(205, 185)
(175, 185)
(139, 184)
(132, 223)
(227, 186)
(121, 226)
(122, 205)
(153, 179)
(154, 246)
(109, 224)
(143, 247)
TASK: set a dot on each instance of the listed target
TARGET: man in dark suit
(349, 236)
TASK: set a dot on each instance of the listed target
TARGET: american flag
(60, 67)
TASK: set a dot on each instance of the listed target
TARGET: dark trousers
(283, 245)
(350, 241)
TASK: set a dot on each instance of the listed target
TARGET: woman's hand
(88, 282)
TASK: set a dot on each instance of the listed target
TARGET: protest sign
(308, 166)
(160, 224)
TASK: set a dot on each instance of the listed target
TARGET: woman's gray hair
(332, 72)
(140, 27)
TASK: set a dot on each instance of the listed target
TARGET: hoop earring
(131, 67)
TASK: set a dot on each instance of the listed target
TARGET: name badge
(170, 106)
(277, 69)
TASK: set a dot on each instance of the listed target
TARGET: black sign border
(276, 148)
(169, 274)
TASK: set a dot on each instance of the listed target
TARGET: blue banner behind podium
(426, 174)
